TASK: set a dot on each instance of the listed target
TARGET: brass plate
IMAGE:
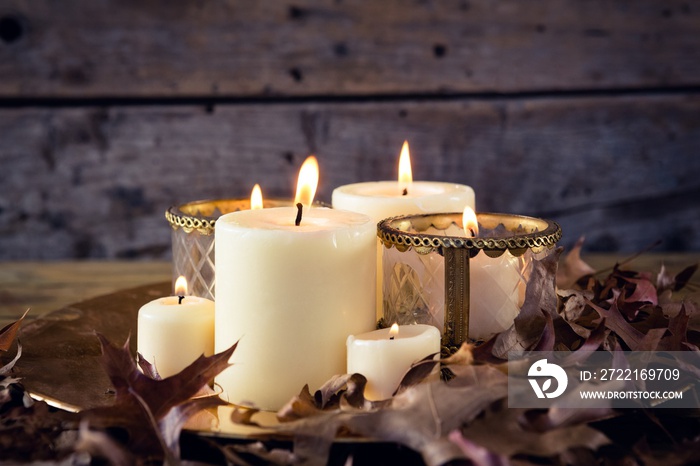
(60, 352)
(60, 358)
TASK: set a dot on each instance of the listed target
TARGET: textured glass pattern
(414, 289)
(193, 257)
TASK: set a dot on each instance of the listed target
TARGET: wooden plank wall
(586, 112)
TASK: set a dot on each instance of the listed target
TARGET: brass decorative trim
(525, 233)
(456, 295)
(201, 216)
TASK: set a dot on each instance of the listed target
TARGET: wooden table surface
(47, 286)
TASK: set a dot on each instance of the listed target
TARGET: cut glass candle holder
(193, 238)
(468, 287)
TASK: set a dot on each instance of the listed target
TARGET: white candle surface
(494, 287)
(495, 294)
(171, 336)
(291, 295)
(384, 361)
(384, 199)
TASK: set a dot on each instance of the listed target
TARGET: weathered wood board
(268, 49)
(584, 112)
(94, 182)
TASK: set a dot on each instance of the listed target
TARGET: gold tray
(60, 358)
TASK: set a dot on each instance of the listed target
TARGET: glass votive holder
(193, 238)
(468, 287)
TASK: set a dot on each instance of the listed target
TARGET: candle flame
(405, 173)
(394, 331)
(469, 222)
(256, 199)
(307, 182)
(181, 286)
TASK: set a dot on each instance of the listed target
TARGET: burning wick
(393, 331)
(300, 209)
(470, 222)
(180, 288)
(405, 192)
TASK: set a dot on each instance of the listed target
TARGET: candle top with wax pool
(382, 199)
(282, 219)
(405, 332)
(175, 301)
(393, 189)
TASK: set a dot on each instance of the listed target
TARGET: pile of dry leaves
(464, 418)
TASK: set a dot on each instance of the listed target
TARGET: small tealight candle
(174, 331)
(383, 356)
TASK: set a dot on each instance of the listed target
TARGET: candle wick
(179, 299)
(300, 209)
(391, 338)
(405, 192)
(471, 230)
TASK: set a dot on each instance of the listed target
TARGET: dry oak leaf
(9, 332)
(573, 268)
(139, 400)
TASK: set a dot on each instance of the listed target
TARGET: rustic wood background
(586, 112)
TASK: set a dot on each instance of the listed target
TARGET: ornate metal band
(201, 216)
(525, 233)
(189, 224)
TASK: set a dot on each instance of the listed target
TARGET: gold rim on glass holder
(201, 216)
(513, 233)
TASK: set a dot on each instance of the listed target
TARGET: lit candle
(495, 287)
(384, 199)
(175, 330)
(256, 198)
(383, 356)
(291, 294)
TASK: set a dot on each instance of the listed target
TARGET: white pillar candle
(291, 294)
(384, 361)
(384, 199)
(173, 332)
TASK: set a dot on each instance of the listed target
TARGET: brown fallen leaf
(572, 267)
(9, 332)
(141, 401)
(516, 437)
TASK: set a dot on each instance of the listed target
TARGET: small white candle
(384, 199)
(384, 360)
(174, 331)
(291, 294)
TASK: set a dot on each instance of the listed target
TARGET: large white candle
(384, 361)
(384, 199)
(174, 331)
(291, 294)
